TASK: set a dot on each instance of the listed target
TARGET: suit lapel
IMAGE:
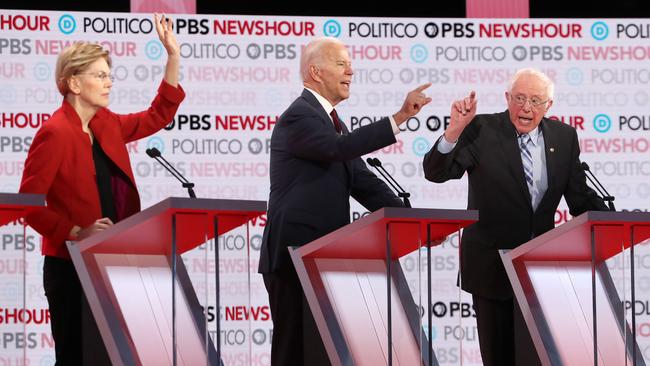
(512, 154)
(311, 99)
(550, 152)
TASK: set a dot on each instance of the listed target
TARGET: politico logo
(382, 30)
(634, 123)
(114, 25)
(633, 31)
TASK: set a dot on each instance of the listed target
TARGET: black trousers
(76, 337)
(503, 336)
(296, 340)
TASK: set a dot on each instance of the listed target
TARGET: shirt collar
(327, 106)
(535, 134)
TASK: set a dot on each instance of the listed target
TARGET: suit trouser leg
(63, 292)
(525, 353)
(503, 336)
(296, 340)
(494, 319)
(76, 337)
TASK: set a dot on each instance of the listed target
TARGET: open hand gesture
(165, 29)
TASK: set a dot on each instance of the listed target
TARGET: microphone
(156, 155)
(599, 187)
(401, 193)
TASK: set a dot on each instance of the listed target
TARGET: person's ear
(314, 72)
(74, 85)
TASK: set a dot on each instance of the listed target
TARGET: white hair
(550, 86)
(313, 52)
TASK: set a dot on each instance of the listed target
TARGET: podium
(15, 291)
(567, 294)
(14, 206)
(356, 289)
(127, 272)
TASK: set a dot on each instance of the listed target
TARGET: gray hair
(313, 52)
(550, 86)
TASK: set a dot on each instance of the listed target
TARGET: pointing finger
(422, 87)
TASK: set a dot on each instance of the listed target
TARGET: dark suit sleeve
(439, 167)
(370, 191)
(578, 195)
(311, 139)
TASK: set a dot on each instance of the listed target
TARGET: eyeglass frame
(517, 100)
(101, 75)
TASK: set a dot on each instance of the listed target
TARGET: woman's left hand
(165, 29)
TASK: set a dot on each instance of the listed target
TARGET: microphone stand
(155, 154)
(599, 186)
(401, 193)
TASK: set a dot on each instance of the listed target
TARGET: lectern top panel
(408, 228)
(15, 205)
(571, 241)
(150, 231)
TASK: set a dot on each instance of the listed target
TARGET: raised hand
(415, 100)
(462, 113)
(165, 29)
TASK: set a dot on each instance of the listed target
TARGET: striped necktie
(527, 160)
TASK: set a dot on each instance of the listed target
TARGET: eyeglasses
(535, 102)
(102, 76)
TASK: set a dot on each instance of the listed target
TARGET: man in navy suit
(315, 168)
(519, 165)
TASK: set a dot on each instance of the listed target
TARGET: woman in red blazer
(78, 159)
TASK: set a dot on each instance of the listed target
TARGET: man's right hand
(102, 224)
(413, 103)
(462, 113)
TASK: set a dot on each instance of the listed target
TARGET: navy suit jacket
(313, 173)
(488, 151)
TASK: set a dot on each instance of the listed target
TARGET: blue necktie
(527, 160)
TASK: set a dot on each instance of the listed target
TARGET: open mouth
(525, 120)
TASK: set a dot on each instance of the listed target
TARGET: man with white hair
(519, 165)
(315, 168)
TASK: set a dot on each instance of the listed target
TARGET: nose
(527, 106)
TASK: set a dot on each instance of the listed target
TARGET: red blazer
(60, 165)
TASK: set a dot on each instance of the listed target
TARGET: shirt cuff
(394, 125)
(445, 147)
